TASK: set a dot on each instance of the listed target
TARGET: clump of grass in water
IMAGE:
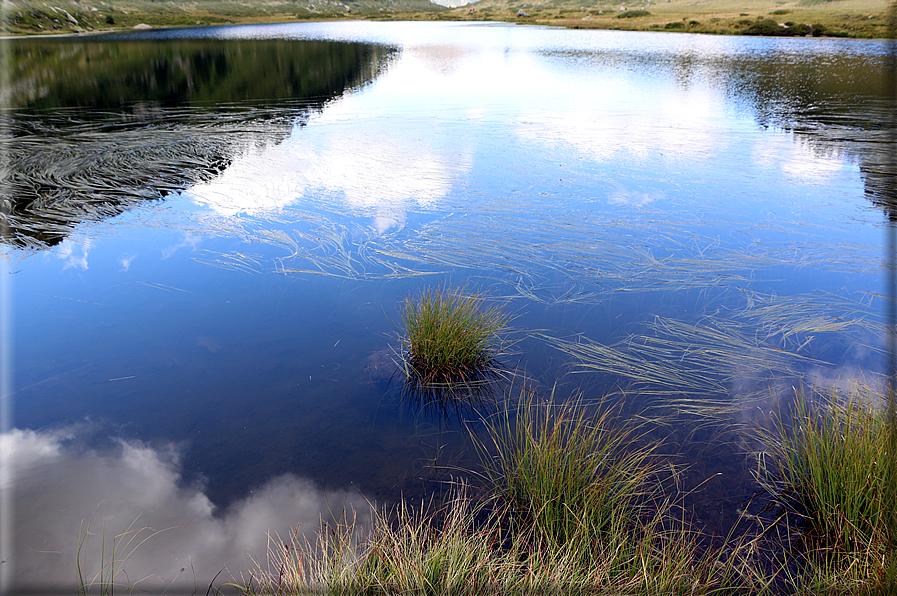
(829, 465)
(451, 340)
(591, 505)
(566, 474)
(591, 521)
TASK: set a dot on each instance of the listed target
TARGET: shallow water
(214, 230)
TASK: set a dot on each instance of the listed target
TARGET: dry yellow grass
(849, 18)
(844, 18)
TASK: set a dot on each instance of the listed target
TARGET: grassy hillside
(846, 18)
(69, 16)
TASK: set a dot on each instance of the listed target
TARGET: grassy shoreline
(574, 501)
(831, 18)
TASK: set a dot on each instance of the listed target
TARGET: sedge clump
(450, 337)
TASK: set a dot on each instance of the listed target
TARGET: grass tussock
(450, 338)
(565, 473)
(829, 467)
(569, 506)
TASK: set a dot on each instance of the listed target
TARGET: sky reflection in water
(618, 190)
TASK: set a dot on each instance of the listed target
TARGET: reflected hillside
(130, 76)
(844, 104)
(101, 125)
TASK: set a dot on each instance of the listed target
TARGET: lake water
(211, 232)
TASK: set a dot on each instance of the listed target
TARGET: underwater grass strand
(70, 171)
(702, 358)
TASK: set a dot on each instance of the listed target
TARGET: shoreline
(570, 26)
(844, 19)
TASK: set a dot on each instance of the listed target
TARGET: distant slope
(62, 16)
(843, 18)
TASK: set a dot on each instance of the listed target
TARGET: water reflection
(74, 479)
(680, 221)
(135, 79)
(339, 157)
(100, 126)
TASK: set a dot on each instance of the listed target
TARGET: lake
(210, 234)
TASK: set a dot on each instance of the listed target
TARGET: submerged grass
(830, 470)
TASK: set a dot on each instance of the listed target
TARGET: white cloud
(190, 241)
(636, 198)
(378, 152)
(374, 170)
(74, 253)
(798, 159)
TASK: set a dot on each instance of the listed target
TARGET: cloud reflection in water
(355, 153)
(58, 483)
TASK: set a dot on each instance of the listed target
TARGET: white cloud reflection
(798, 159)
(125, 260)
(58, 485)
(406, 140)
(190, 241)
(358, 152)
(380, 176)
(74, 253)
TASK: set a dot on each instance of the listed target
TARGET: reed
(109, 575)
(450, 338)
(563, 472)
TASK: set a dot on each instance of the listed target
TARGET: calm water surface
(212, 232)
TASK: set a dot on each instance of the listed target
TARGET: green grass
(829, 469)
(450, 338)
(569, 506)
(568, 475)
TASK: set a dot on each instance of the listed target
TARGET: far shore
(864, 19)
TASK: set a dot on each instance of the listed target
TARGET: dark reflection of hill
(99, 126)
(835, 95)
(844, 102)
